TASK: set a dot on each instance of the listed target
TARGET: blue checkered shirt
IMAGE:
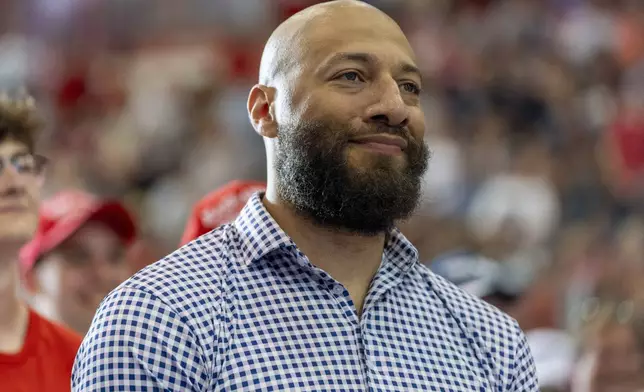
(242, 309)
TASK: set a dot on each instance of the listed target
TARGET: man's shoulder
(196, 268)
(494, 337)
(483, 320)
(170, 312)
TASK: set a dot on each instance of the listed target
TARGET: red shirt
(629, 138)
(45, 361)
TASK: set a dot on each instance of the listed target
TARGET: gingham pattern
(241, 309)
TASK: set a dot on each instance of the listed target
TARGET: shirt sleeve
(523, 374)
(137, 343)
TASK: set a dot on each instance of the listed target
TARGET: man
(312, 287)
(77, 256)
(35, 354)
(219, 207)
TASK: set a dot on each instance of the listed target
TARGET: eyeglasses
(24, 163)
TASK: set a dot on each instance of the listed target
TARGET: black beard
(314, 177)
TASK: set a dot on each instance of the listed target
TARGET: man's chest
(319, 345)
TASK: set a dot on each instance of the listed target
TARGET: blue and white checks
(242, 309)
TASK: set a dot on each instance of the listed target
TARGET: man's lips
(383, 142)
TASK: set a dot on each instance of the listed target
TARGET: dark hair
(19, 121)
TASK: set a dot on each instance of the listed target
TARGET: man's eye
(411, 88)
(351, 76)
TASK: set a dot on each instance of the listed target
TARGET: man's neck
(351, 259)
(14, 315)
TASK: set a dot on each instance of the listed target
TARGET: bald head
(295, 40)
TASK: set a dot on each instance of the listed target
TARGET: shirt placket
(344, 301)
(343, 298)
(388, 277)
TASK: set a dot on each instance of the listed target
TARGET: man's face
(20, 182)
(77, 275)
(350, 151)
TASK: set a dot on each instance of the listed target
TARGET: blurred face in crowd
(20, 182)
(78, 274)
(346, 119)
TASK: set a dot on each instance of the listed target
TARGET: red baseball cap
(63, 214)
(219, 207)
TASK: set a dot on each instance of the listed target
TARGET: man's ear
(261, 112)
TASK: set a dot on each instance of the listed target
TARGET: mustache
(328, 137)
(342, 132)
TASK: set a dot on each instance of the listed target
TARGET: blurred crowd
(535, 109)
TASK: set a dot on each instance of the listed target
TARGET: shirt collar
(260, 235)
(400, 251)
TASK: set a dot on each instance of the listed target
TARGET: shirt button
(370, 364)
(338, 290)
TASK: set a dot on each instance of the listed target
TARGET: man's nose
(389, 108)
(11, 184)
